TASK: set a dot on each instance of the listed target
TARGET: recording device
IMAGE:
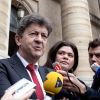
(57, 66)
(95, 67)
(22, 87)
(53, 83)
(98, 72)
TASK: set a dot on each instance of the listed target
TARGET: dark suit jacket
(12, 70)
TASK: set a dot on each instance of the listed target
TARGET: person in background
(66, 55)
(85, 92)
(31, 38)
(94, 58)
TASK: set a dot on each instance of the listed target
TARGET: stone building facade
(77, 21)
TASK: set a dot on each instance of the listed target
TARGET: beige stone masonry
(5, 7)
(76, 28)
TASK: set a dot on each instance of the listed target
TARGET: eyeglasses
(96, 55)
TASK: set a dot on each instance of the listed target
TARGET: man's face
(94, 55)
(33, 41)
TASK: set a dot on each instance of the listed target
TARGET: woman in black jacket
(66, 55)
(83, 91)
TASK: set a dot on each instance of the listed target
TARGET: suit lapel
(19, 67)
(43, 72)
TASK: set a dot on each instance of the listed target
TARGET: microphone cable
(73, 84)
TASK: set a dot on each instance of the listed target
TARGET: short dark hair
(27, 20)
(95, 43)
(53, 51)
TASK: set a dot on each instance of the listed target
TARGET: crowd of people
(31, 38)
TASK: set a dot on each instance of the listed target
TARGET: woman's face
(65, 57)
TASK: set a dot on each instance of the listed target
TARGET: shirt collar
(25, 63)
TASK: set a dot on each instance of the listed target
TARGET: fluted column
(5, 6)
(76, 28)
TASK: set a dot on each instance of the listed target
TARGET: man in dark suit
(31, 38)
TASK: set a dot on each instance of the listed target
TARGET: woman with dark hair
(66, 54)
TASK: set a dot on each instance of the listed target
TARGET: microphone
(98, 72)
(95, 67)
(22, 87)
(53, 83)
(56, 66)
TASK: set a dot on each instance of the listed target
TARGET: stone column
(5, 6)
(76, 28)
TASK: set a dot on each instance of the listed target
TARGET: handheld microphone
(22, 87)
(56, 66)
(98, 72)
(53, 83)
(95, 67)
